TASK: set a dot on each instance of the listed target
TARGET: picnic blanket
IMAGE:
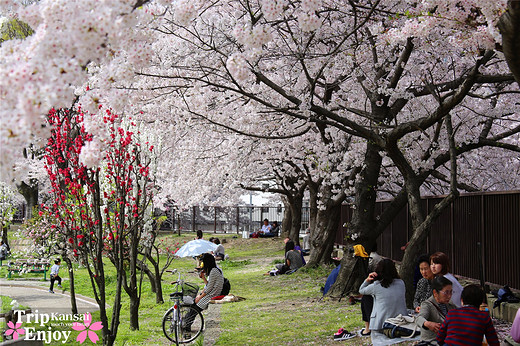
(230, 298)
(380, 339)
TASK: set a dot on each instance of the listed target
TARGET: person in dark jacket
(467, 325)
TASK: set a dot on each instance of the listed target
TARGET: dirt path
(212, 324)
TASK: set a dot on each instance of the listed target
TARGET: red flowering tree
(101, 208)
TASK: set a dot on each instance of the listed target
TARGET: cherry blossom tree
(8, 204)
(383, 72)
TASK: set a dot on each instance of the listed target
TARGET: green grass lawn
(280, 310)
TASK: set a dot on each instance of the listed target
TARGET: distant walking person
(4, 250)
(55, 275)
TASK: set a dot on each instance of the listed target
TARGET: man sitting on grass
(467, 325)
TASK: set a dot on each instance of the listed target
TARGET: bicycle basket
(190, 290)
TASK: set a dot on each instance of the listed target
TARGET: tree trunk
(363, 221)
(287, 218)
(296, 203)
(351, 275)
(414, 249)
(133, 289)
(322, 239)
(313, 205)
(159, 293)
(30, 193)
(509, 25)
(155, 278)
(135, 301)
(74, 307)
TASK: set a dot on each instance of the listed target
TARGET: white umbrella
(195, 248)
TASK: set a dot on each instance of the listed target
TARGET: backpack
(225, 288)
(505, 295)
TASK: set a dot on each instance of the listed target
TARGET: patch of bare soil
(212, 324)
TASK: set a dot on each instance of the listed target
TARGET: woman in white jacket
(388, 291)
(440, 265)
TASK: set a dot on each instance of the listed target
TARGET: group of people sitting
(219, 252)
(447, 313)
(293, 259)
(267, 230)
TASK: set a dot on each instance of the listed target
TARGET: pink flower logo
(87, 329)
(14, 329)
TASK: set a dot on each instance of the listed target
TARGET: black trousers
(367, 303)
(55, 278)
(190, 317)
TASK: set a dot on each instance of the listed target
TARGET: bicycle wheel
(191, 326)
(170, 326)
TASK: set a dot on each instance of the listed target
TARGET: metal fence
(225, 219)
(212, 219)
(491, 219)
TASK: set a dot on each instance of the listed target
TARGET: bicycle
(183, 323)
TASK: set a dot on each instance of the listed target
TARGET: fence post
(238, 220)
(193, 224)
(482, 249)
(215, 220)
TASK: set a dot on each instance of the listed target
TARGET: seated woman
(214, 283)
(440, 265)
(275, 229)
(424, 288)
(388, 291)
(367, 301)
(219, 251)
(434, 309)
(293, 260)
(297, 248)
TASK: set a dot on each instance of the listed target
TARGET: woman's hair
(442, 259)
(440, 282)
(386, 272)
(423, 258)
(199, 234)
(57, 260)
(209, 262)
(289, 246)
(216, 241)
(472, 295)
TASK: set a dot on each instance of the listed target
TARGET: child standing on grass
(55, 275)
(467, 325)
